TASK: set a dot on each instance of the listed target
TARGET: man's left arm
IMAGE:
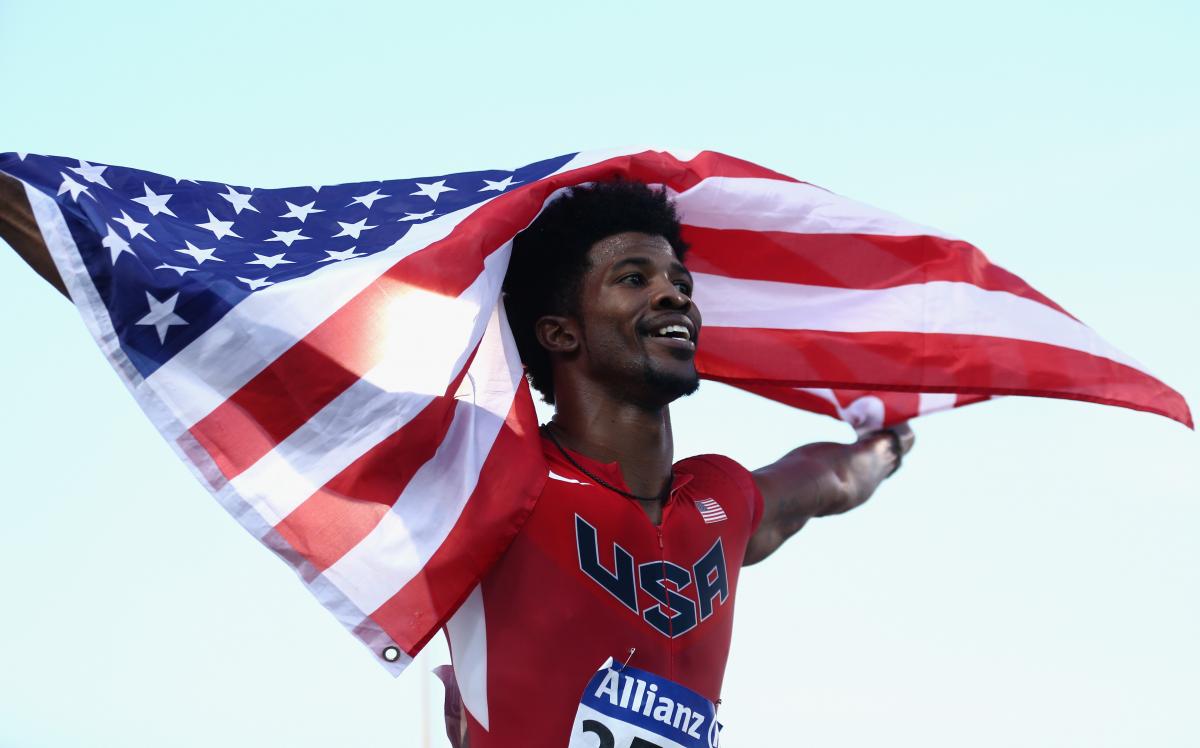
(821, 479)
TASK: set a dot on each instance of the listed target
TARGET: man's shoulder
(713, 462)
(725, 480)
(720, 473)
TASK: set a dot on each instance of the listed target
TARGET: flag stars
(199, 255)
(155, 203)
(220, 229)
(240, 201)
(353, 230)
(500, 186)
(134, 228)
(116, 244)
(287, 237)
(176, 268)
(337, 255)
(433, 189)
(301, 211)
(417, 216)
(70, 185)
(91, 172)
(162, 315)
(270, 261)
(368, 199)
(255, 283)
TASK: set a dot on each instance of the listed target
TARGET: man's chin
(670, 386)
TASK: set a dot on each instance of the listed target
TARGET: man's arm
(817, 480)
(19, 229)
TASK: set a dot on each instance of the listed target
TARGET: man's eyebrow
(640, 261)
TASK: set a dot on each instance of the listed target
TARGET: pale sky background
(1031, 577)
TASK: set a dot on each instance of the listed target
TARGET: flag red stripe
(929, 362)
(496, 509)
(339, 515)
(315, 370)
(711, 163)
(863, 261)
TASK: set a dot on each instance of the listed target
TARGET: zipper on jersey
(662, 559)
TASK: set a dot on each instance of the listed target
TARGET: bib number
(608, 740)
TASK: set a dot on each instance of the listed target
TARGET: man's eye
(635, 279)
(684, 288)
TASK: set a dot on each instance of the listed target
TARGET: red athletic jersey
(590, 577)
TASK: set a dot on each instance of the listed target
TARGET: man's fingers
(907, 437)
(19, 229)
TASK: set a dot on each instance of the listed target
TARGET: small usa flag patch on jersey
(710, 510)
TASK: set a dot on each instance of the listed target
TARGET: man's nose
(668, 296)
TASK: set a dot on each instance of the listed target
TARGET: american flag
(334, 362)
(710, 511)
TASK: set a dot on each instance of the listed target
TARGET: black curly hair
(549, 258)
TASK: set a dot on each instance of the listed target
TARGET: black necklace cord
(599, 481)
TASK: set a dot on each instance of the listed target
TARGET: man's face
(638, 323)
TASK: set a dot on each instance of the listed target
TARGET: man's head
(597, 286)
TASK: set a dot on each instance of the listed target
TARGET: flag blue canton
(170, 257)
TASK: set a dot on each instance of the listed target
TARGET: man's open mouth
(677, 335)
(679, 332)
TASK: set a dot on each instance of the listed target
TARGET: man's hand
(19, 229)
(820, 479)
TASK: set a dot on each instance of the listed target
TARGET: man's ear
(557, 334)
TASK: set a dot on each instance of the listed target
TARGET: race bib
(623, 707)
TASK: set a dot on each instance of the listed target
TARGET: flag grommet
(391, 654)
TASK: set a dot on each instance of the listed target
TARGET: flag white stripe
(758, 204)
(427, 347)
(932, 402)
(396, 550)
(934, 307)
(466, 632)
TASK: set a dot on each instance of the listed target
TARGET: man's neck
(639, 440)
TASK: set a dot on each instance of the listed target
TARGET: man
(625, 555)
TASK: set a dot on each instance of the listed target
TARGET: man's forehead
(618, 247)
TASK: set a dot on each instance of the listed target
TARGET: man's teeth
(674, 331)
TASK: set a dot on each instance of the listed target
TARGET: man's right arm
(818, 480)
(19, 229)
